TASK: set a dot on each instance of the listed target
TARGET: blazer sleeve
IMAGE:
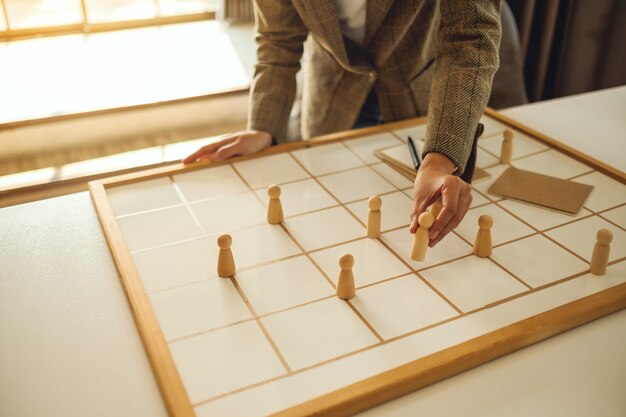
(280, 35)
(467, 58)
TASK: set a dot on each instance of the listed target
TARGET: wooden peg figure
(420, 239)
(275, 208)
(373, 217)
(506, 152)
(225, 261)
(482, 244)
(345, 284)
(601, 252)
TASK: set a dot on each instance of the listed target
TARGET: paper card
(542, 190)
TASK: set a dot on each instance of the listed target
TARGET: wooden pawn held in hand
(420, 239)
(373, 217)
(225, 260)
(601, 252)
(274, 208)
(506, 151)
(482, 244)
(345, 284)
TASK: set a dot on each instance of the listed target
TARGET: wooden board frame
(387, 385)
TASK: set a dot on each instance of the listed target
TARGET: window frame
(86, 27)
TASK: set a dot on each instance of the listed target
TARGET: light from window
(3, 25)
(40, 13)
(119, 10)
(178, 7)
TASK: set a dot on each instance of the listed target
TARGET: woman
(369, 61)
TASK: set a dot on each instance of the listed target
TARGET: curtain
(571, 46)
(236, 11)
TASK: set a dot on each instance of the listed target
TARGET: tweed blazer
(421, 56)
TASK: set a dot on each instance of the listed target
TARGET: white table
(594, 123)
(69, 346)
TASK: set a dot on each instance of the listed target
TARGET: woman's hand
(435, 183)
(233, 144)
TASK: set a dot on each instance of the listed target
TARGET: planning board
(274, 339)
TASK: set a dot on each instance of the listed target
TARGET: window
(99, 11)
(42, 17)
(3, 22)
(39, 13)
(177, 7)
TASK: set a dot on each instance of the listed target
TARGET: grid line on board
(266, 334)
(306, 254)
(600, 214)
(284, 309)
(274, 345)
(543, 234)
(209, 235)
(242, 293)
(399, 257)
(148, 211)
(187, 204)
(360, 316)
(404, 335)
(414, 272)
(512, 159)
(536, 232)
(261, 264)
(573, 220)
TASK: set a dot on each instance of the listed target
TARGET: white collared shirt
(352, 19)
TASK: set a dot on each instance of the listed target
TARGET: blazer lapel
(375, 14)
(324, 22)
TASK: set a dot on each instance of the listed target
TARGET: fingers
(454, 222)
(450, 191)
(420, 204)
(205, 152)
(462, 205)
(194, 156)
(239, 143)
(227, 151)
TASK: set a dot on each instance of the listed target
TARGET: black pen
(414, 156)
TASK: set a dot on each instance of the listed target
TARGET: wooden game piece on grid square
(345, 284)
(420, 239)
(373, 217)
(274, 208)
(225, 260)
(435, 209)
(601, 252)
(506, 151)
(482, 244)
